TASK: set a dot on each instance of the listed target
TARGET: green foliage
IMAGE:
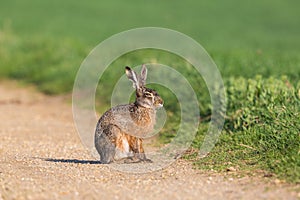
(262, 129)
(249, 100)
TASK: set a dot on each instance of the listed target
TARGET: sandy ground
(42, 157)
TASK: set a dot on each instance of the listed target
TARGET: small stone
(268, 175)
(231, 169)
(277, 181)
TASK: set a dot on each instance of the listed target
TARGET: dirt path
(43, 158)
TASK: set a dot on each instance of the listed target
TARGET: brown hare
(120, 130)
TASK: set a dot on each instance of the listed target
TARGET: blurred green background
(255, 44)
(215, 24)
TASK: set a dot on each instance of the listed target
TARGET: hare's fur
(119, 132)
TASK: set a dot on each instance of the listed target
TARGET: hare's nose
(160, 101)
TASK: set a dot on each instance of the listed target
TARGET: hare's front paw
(129, 160)
(142, 158)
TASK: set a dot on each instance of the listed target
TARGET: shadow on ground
(72, 161)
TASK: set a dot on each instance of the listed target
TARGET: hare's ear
(143, 75)
(131, 75)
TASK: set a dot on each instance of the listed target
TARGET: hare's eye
(148, 94)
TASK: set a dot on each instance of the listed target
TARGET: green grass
(44, 42)
(262, 129)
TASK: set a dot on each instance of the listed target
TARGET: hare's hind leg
(105, 148)
(138, 150)
(105, 139)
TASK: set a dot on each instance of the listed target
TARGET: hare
(119, 131)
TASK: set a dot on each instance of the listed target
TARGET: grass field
(44, 43)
